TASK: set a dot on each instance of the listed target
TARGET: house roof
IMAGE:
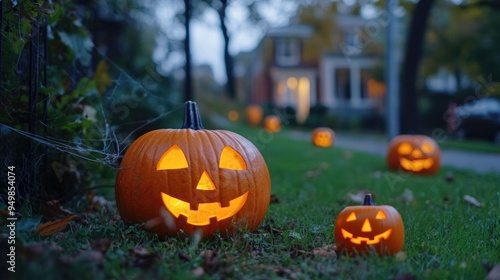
(294, 30)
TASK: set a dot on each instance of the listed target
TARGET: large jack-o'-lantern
(323, 137)
(414, 153)
(365, 228)
(189, 179)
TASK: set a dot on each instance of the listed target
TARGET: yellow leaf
(101, 76)
(50, 228)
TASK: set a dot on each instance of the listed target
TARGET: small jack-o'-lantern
(323, 137)
(272, 123)
(233, 115)
(414, 153)
(360, 229)
(254, 114)
(190, 179)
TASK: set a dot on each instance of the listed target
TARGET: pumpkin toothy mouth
(205, 212)
(376, 239)
(416, 164)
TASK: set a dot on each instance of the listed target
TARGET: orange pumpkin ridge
(193, 179)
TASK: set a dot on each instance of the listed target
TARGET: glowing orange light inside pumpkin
(272, 123)
(323, 137)
(359, 228)
(174, 158)
(414, 153)
(233, 115)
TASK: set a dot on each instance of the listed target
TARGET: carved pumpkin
(323, 137)
(359, 229)
(254, 114)
(272, 123)
(189, 179)
(414, 153)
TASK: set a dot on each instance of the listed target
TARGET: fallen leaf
(407, 197)
(274, 199)
(210, 261)
(141, 257)
(198, 272)
(401, 256)
(101, 244)
(325, 251)
(50, 228)
(494, 273)
(471, 200)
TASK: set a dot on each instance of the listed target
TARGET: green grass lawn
(446, 238)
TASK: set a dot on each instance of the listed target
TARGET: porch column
(355, 81)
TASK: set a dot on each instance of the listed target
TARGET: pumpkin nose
(205, 183)
(416, 154)
(366, 226)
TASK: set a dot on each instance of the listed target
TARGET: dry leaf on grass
(407, 197)
(50, 228)
(325, 251)
(141, 257)
(471, 200)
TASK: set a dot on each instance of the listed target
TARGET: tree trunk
(228, 59)
(188, 95)
(414, 46)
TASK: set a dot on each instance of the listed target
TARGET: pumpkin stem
(192, 118)
(368, 199)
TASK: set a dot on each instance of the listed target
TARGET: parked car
(479, 119)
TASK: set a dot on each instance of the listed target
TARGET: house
(280, 72)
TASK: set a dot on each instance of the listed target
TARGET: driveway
(479, 162)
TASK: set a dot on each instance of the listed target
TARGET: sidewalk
(479, 162)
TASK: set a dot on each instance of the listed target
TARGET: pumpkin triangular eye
(352, 217)
(173, 158)
(231, 159)
(380, 215)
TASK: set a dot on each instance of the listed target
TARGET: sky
(206, 37)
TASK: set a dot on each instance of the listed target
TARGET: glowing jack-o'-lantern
(254, 114)
(323, 137)
(189, 179)
(233, 115)
(360, 229)
(272, 123)
(414, 153)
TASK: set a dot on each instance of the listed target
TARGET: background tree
(412, 57)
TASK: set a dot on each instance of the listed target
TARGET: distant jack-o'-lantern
(192, 179)
(414, 153)
(254, 114)
(323, 137)
(233, 115)
(272, 123)
(360, 229)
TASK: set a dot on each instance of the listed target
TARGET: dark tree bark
(188, 94)
(228, 59)
(413, 54)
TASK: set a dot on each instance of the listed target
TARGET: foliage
(466, 47)
(64, 109)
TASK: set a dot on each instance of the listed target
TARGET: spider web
(107, 146)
